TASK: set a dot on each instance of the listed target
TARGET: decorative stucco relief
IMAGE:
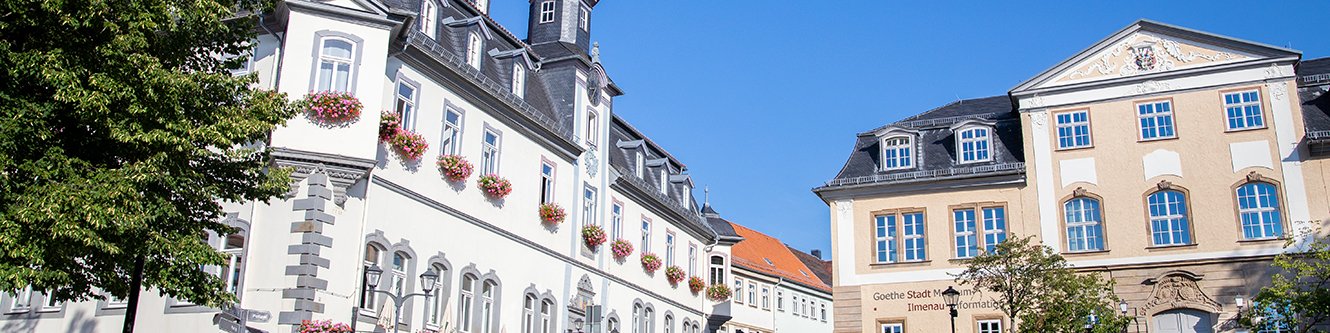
(1144, 53)
(1179, 291)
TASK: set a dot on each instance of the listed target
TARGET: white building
(537, 112)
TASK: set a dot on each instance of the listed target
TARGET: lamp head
(951, 296)
(1122, 306)
(1240, 301)
(372, 276)
(429, 280)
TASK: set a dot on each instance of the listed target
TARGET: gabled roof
(821, 268)
(766, 255)
(1259, 51)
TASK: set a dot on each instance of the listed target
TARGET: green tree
(122, 130)
(1040, 291)
(1298, 297)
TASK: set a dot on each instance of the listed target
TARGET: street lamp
(1241, 302)
(1122, 307)
(951, 297)
(374, 275)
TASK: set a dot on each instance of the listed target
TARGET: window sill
(1084, 253)
(1175, 137)
(1245, 129)
(1262, 240)
(15, 311)
(1060, 149)
(902, 263)
(1170, 247)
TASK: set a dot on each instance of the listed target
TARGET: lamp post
(1122, 307)
(951, 297)
(427, 281)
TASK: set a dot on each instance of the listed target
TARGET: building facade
(1172, 161)
(537, 112)
(776, 288)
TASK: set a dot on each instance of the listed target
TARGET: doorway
(1183, 321)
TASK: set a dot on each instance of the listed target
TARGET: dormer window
(584, 19)
(473, 51)
(974, 144)
(519, 79)
(641, 165)
(546, 11)
(428, 13)
(687, 192)
(482, 5)
(664, 180)
(898, 153)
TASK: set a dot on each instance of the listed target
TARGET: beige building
(1173, 161)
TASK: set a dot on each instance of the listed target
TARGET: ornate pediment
(1179, 289)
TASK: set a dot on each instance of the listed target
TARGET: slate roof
(935, 148)
(625, 142)
(721, 226)
(1313, 83)
(821, 268)
(757, 249)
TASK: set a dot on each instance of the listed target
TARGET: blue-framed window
(884, 236)
(915, 240)
(1258, 208)
(1243, 110)
(1168, 218)
(1085, 228)
(1156, 120)
(995, 227)
(1073, 129)
(973, 145)
(967, 243)
(897, 153)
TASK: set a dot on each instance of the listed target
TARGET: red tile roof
(754, 252)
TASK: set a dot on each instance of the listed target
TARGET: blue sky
(761, 99)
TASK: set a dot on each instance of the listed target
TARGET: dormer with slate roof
(561, 21)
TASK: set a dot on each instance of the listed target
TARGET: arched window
(473, 46)
(336, 63)
(529, 314)
(1085, 230)
(897, 153)
(487, 306)
(669, 323)
(546, 320)
(438, 301)
(371, 259)
(466, 303)
(972, 145)
(428, 17)
(637, 318)
(717, 270)
(519, 78)
(648, 320)
(1168, 218)
(1258, 208)
(399, 274)
(232, 272)
(664, 180)
(612, 325)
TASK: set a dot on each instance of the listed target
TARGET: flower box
(323, 326)
(718, 292)
(593, 236)
(389, 125)
(454, 167)
(695, 284)
(650, 262)
(331, 107)
(551, 213)
(621, 249)
(411, 146)
(495, 186)
(674, 274)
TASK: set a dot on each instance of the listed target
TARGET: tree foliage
(122, 129)
(1298, 297)
(1040, 291)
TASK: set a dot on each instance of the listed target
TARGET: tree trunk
(135, 283)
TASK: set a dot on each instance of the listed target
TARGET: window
(968, 240)
(366, 295)
(1156, 120)
(616, 221)
(646, 235)
(752, 294)
(546, 182)
(1085, 231)
(990, 326)
(1168, 218)
(452, 132)
(664, 180)
(482, 5)
(21, 301)
(546, 11)
(669, 323)
(637, 319)
(885, 236)
(897, 153)
(50, 304)
(669, 248)
(466, 303)
(584, 19)
(692, 259)
(428, 14)
(915, 244)
(995, 227)
(336, 64)
(738, 290)
(588, 206)
(639, 169)
(973, 145)
(893, 328)
(648, 320)
(546, 321)
(473, 51)
(519, 78)
(489, 154)
(717, 270)
(406, 104)
(529, 314)
(823, 310)
(687, 194)
(1073, 129)
(592, 129)
(766, 297)
(1243, 110)
(780, 300)
(967, 245)
(231, 272)
(1258, 207)
(399, 274)
(437, 302)
(113, 302)
(487, 307)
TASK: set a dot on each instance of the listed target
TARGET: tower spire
(706, 195)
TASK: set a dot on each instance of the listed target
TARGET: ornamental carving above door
(1179, 289)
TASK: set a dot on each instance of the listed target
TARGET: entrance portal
(1183, 321)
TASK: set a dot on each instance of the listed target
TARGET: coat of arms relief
(1146, 53)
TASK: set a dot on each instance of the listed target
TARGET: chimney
(816, 253)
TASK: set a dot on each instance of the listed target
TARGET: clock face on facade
(594, 85)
